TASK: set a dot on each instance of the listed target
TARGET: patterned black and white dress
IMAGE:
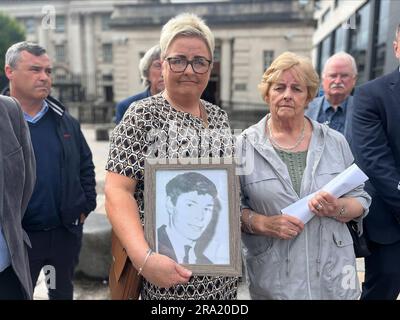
(152, 128)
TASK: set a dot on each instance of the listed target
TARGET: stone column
(74, 44)
(226, 73)
(43, 36)
(90, 57)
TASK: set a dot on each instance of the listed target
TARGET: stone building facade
(76, 35)
(96, 45)
(249, 35)
(363, 28)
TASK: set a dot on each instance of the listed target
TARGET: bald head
(339, 77)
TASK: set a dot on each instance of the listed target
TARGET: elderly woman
(293, 156)
(150, 72)
(168, 125)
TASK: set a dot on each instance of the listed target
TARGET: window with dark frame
(240, 86)
(325, 51)
(60, 24)
(381, 20)
(105, 22)
(60, 52)
(108, 93)
(358, 41)
(268, 58)
(30, 25)
(339, 41)
(107, 77)
(107, 53)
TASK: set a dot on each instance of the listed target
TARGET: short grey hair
(186, 25)
(145, 63)
(14, 52)
(342, 55)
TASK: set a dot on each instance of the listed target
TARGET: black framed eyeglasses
(199, 65)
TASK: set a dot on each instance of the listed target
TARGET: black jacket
(165, 247)
(77, 175)
(78, 189)
(376, 147)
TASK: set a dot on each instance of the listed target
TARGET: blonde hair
(302, 66)
(186, 25)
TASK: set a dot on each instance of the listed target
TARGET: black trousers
(10, 287)
(382, 272)
(57, 252)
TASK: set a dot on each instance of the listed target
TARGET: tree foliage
(11, 31)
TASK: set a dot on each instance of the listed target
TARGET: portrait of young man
(192, 208)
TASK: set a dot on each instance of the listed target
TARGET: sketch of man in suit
(193, 209)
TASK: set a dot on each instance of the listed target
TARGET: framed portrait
(193, 216)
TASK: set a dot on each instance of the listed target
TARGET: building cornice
(220, 13)
(25, 8)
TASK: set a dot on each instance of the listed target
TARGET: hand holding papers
(346, 181)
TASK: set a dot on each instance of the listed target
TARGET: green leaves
(11, 31)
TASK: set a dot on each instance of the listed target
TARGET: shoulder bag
(124, 282)
(360, 242)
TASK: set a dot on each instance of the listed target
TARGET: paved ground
(89, 289)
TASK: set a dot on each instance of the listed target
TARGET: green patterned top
(296, 163)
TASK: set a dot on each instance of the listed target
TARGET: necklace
(202, 110)
(274, 143)
(203, 114)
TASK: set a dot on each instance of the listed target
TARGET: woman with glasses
(173, 124)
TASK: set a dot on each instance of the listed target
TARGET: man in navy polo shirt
(334, 108)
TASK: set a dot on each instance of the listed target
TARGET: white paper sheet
(346, 181)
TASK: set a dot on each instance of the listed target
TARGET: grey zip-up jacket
(320, 262)
(17, 180)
